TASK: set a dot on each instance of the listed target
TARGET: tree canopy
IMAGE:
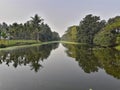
(86, 30)
(93, 30)
(34, 29)
(109, 35)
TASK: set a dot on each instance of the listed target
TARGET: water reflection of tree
(27, 56)
(91, 59)
(110, 60)
(84, 56)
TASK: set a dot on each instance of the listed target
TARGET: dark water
(60, 67)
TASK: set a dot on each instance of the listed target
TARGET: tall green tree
(36, 21)
(89, 26)
(86, 31)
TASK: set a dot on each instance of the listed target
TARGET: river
(60, 67)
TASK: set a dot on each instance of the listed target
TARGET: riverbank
(9, 43)
(14, 44)
(67, 42)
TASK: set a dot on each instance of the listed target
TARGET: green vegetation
(8, 43)
(32, 30)
(67, 42)
(109, 35)
(71, 34)
(88, 27)
(117, 47)
(94, 31)
(85, 32)
(15, 44)
(91, 30)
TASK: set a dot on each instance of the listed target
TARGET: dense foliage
(92, 30)
(88, 27)
(85, 31)
(109, 35)
(71, 34)
(34, 29)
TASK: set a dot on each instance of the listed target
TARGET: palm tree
(36, 21)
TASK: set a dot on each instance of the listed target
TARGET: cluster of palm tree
(34, 29)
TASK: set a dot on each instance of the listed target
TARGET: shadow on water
(92, 59)
(31, 56)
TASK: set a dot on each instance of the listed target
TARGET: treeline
(34, 29)
(93, 30)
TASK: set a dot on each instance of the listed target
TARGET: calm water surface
(60, 67)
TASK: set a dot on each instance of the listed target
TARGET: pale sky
(58, 14)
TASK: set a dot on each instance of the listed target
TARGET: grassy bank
(67, 42)
(9, 43)
(14, 44)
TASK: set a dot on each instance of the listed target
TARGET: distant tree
(45, 33)
(71, 34)
(55, 36)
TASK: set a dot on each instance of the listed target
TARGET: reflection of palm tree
(35, 66)
(28, 56)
